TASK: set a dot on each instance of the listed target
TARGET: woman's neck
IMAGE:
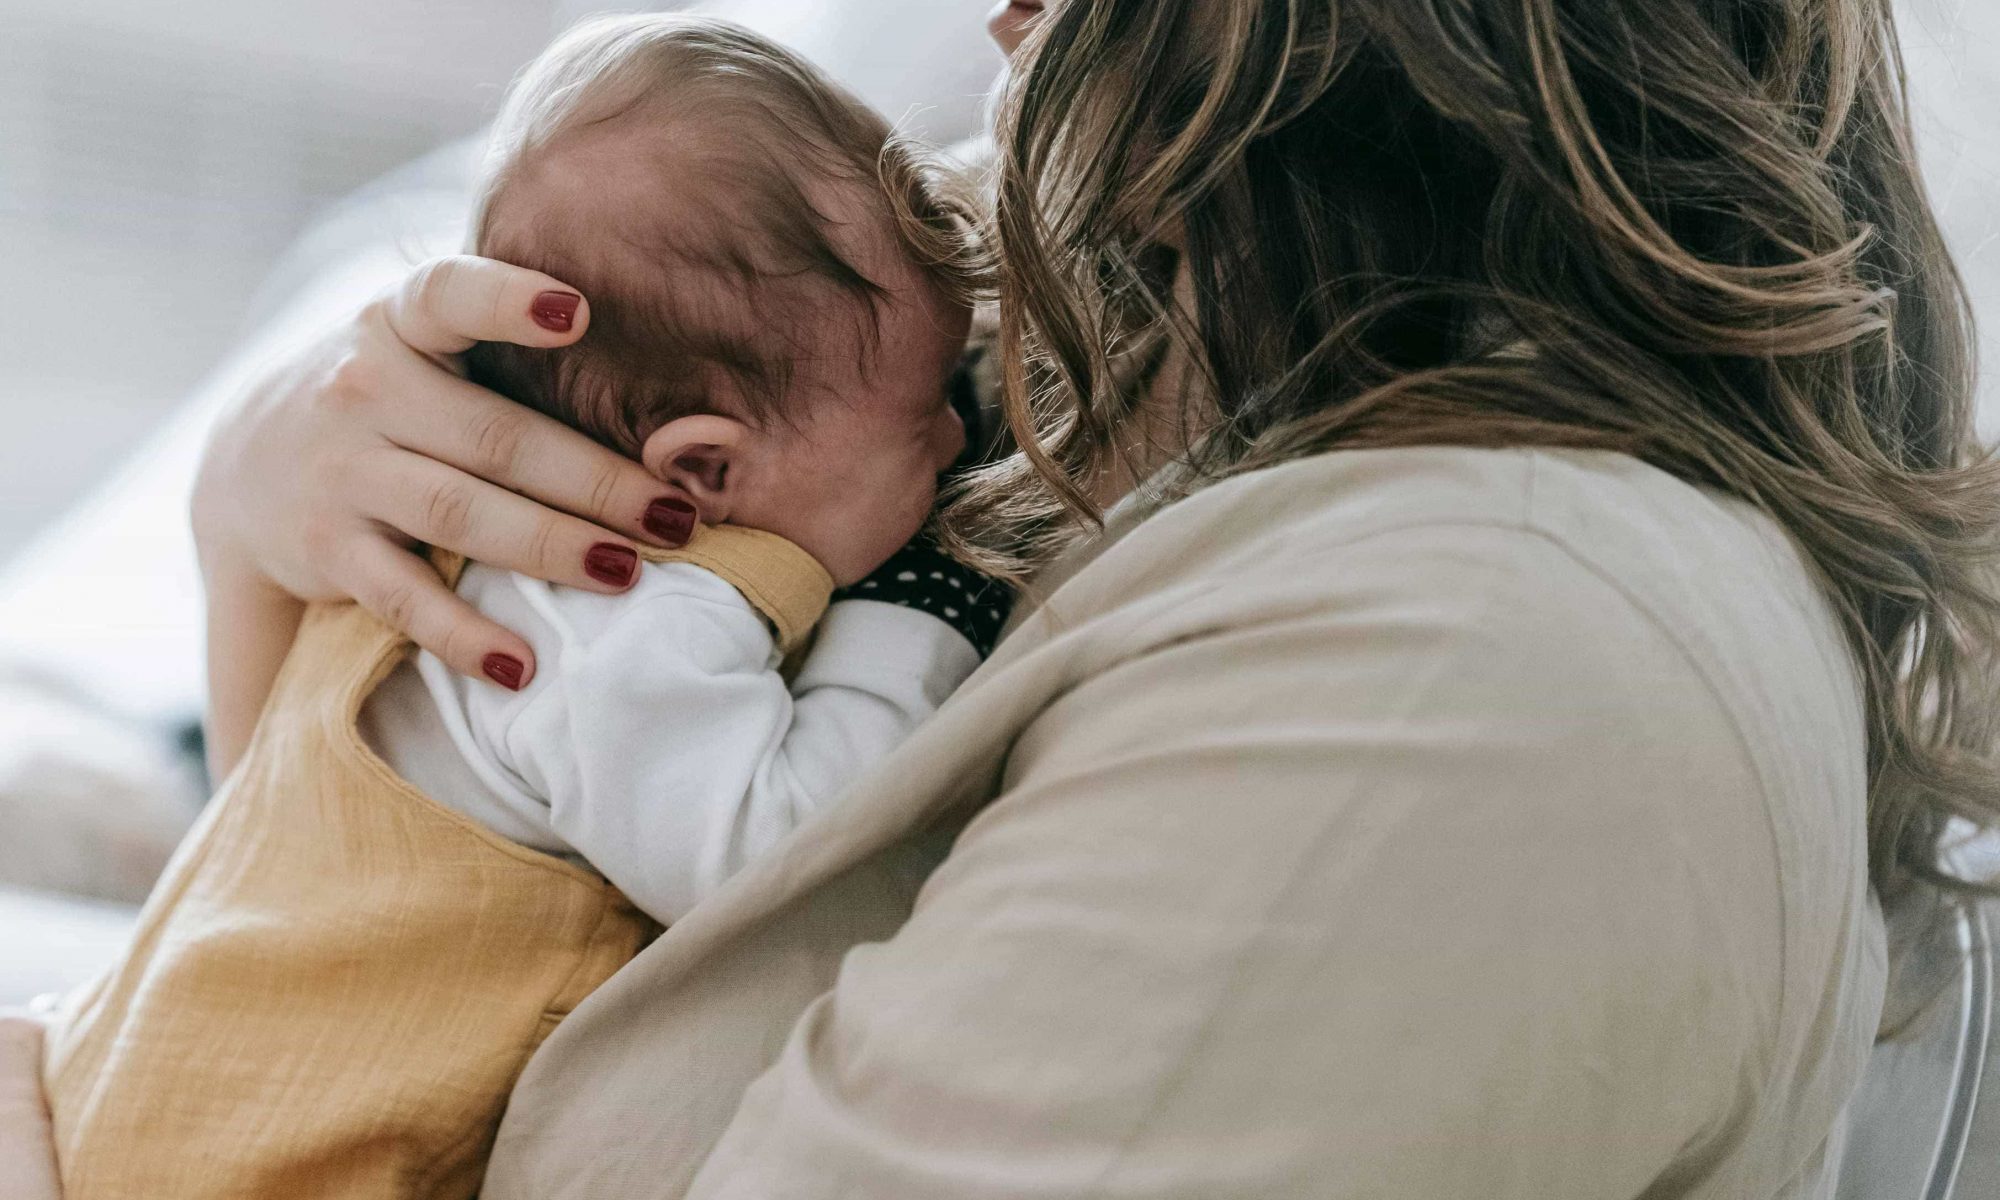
(1158, 432)
(1150, 439)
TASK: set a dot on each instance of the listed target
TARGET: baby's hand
(920, 576)
(27, 1152)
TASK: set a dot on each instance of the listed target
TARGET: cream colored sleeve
(1428, 868)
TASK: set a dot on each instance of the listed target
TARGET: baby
(412, 877)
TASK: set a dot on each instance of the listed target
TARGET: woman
(1556, 593)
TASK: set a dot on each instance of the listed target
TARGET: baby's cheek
(915, 510)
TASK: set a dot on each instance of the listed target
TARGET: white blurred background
(1952, 48)
(155, 158)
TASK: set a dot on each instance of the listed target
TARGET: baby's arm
(27, 1153)
(671, 752)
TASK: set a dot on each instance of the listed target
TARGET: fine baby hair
(729, 211)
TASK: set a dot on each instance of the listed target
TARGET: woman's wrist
(251, 621)
(220, 553)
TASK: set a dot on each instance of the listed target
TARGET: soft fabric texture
(782, 582)
(657, 742)
(338, 979)
(1406, 823)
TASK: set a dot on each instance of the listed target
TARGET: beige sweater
(1403, 824)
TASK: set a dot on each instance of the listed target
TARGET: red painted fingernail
(504, 669)
(670, 519)
(555, 310)
(615, 565)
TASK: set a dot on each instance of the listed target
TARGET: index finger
(492, 438)
(449, 303)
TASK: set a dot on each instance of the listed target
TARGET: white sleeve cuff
(870, 643)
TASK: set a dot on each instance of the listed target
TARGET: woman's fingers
(443, 506)
(350, 449)
(449, 303)
(27, 1156)
(407, 594)
(443, 417)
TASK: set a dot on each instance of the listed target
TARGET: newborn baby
(412, 876)
(767, 340)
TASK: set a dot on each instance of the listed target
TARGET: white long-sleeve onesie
(657, 741)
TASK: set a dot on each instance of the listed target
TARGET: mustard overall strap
(782, 581)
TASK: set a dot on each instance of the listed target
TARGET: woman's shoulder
(1602, 540)
(1573, 643)
(1600, 503)
(1603, 706)
(1586, 604)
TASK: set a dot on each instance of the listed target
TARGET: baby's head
(778, 295)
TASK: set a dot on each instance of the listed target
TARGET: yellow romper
(336, 982)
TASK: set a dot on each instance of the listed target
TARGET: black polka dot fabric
(919, 576)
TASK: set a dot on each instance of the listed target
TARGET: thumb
(447, 304)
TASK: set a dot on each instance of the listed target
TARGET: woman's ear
(700, 455)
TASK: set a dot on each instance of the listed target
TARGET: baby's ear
(700, 455)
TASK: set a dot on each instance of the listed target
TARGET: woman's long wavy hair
(1689, 230)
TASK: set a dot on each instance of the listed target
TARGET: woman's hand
(339, 461)
(27, 1156)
